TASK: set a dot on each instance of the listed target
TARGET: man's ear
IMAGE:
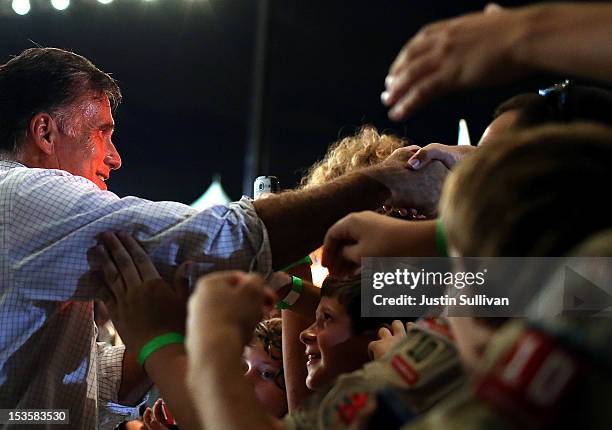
(43, 131)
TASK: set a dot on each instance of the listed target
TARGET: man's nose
(113, 159)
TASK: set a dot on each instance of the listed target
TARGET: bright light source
(464, 134)
(105, 1)
(60, 4)
(21, 7)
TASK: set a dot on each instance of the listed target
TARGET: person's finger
(269, 299)
(372, 346)
(401, 155)
(147, 417)
(492, 8)
(384, 332)
(158, 411)
(122, 259)
(336, 238)
(413, 148)
(421, 43)
(418, 95)
(351, 254)
(109, 273)
(181, 280)
(416, 71)
(433, 151)
(140, 258)
(168, 417)
(398, 328)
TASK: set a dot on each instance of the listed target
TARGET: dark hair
(348, 294)
(46, 80)
(583, 104)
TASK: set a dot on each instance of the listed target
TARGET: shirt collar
(9, 164)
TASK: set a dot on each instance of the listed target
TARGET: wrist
(377, 179)
(158, 342)
(217, 333)
(159, 360)
(530, 21)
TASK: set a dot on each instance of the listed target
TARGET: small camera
(265, 185)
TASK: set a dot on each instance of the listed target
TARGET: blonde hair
(366, 148)
(537, 192)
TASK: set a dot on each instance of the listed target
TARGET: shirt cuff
(111, 414)
(262, 262)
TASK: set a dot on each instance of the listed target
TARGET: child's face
(331, 346)
(261, 371)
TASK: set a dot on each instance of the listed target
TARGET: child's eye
(267, 375)
(326, 316)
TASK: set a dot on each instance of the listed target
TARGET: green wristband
(296, 289)
(305, 260)
(441, 245)
(298, 286)
(158, 342)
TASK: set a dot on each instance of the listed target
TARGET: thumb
(492, 8)
(352, 254)
(181, 279)
(433, 151)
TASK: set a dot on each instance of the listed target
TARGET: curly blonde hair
(364, 149)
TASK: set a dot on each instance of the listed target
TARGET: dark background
(185, 68)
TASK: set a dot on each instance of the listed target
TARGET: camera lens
(261, 186)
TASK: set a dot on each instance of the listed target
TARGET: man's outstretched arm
(296, 221)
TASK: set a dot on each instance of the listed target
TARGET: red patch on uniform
(405, 370)
(529, 384)
(436, 325)
(348, 410)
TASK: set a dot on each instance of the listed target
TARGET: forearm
(225, 399)
(417, 241)
(294, 359)
(297, 220)
(168, 368)
(134, 381)
(567, 38)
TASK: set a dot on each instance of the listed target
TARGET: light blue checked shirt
(48, 221)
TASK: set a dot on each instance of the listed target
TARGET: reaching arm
(142, 306)
(225, 399)
(134, 381)
(294, 359)
(367, 234)
(568, 38)
(297, 220)
(232, 302)
(502, 45)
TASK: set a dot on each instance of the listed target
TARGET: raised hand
(141, 304)
(473, 49)
(367, 234)
(387, 339)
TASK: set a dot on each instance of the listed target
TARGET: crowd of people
(217, 309)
